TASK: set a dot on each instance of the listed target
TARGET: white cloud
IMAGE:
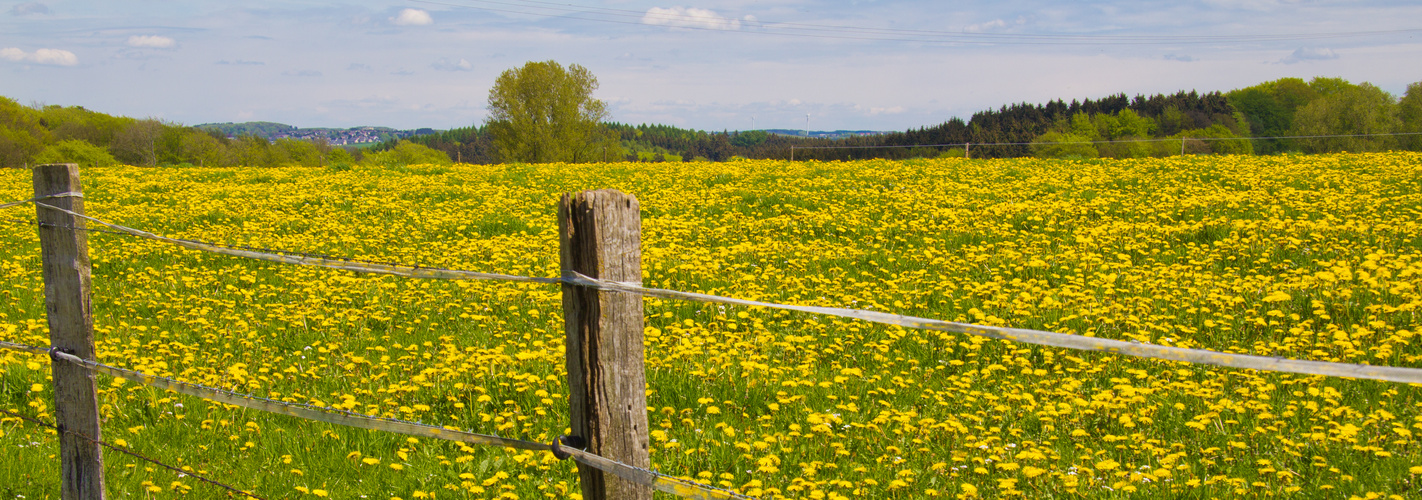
(27, 9)
(1179, 57)
(987, 26)
(689, 17)
(412, 17)
(1309, 54)
(886, 111)
(152, 42)
(449, 65)
(52, 57)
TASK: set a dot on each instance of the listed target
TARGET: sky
(708, 65)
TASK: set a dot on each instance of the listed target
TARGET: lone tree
(543, 113)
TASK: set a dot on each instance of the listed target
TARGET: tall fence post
(64, 249)
(600, 236)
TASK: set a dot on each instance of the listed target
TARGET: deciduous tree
(1409, 114)
(543, 112)
(1350, 112)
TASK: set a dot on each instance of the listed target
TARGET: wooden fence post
(64, 248)
(600, 236)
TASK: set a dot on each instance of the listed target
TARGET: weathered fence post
(601, 237)
(64, 249)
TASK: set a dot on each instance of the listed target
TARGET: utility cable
(810, 30)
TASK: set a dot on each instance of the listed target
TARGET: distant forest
(1317, 116)
(1114, 126)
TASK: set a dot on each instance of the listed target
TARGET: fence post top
(601, 192)
(602, 195)
(70, 167)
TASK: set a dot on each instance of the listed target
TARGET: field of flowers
(1313, 257)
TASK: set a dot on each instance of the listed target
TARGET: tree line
(1300, 113)
(1290, 114)
(1292, 111)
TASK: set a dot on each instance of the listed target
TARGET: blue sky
(712, 65)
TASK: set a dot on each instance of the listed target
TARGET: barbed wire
(305, 411)
(308, 259)
(337, 416)
(132, 453)
(1038, 337)
(223, 245)
(36, 223)
(658, 481)
(662, 482)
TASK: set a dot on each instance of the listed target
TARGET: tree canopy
(543, 112)
(1349, 113)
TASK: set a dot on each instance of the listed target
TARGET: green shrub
(75, 151)
(408, 153)
(1063, 145)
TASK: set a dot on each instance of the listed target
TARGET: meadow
(1309, 257)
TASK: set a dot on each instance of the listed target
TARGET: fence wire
(656, 480)
(25, 222)
(1038, 337)
(69, 194)
(661, 482)
(1053, 339)
(305, 259)
(300, 410)
(132, 453)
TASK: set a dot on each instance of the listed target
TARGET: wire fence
(336, 416)
(560, 447)
(125, 450)
(1038, 337)
(563, 448)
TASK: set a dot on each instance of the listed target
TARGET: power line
(833, 31)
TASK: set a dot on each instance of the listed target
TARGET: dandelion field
(1309, 257)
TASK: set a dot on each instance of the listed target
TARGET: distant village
(350, 137)
(353, 136)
